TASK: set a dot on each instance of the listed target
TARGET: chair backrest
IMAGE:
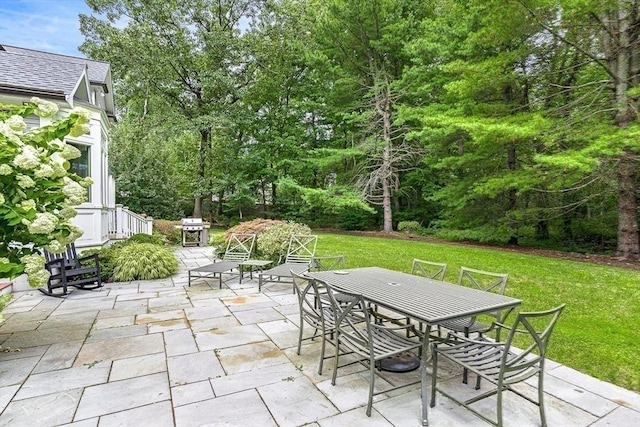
(69, 256)
(301, 248)
(312, 299)
(326, 263)
(239, 247)
(431, 270)
(483, 280)
(533, 330)
(352, 321)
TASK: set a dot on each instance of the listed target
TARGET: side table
(253, 264)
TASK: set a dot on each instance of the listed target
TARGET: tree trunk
(622, 61)
(512, 193)
(383, 107)
(628, 237)
(203, 148)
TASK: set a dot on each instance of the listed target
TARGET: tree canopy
(497, 121)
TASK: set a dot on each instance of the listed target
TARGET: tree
(187, 54)
(605, 37)
(364, 40)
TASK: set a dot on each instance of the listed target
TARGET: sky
(47, 25)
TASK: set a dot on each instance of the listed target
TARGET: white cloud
(47, 25)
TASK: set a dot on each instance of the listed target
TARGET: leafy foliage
(144, 261)
(37, 193)
(167, 229)
(273, 242)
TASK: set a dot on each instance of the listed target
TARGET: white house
(70, 82)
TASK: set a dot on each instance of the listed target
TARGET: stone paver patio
(159, 353)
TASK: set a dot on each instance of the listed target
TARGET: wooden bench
(68, 269)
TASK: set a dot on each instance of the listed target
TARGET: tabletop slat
(424, 299)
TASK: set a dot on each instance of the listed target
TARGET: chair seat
(465, 324)
(485, 360)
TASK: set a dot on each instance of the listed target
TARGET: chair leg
(543, 418)
(300, 334)
(324, 344)
(499, 407)
(434, 375)
(335, 359)
(372, 379)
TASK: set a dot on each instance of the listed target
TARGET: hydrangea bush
(273, 242)
(37, 193)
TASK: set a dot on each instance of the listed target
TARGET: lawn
(598, 332)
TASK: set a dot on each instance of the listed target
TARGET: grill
(194, 232)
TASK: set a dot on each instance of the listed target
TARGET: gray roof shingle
(37, 73)
(98, 70)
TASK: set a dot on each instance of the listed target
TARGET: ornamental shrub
(273, 242)
(256, 226)
(37, 193)
(167, 229)
(106, 259)
(154, 239)
(144, 261)
(409, 227)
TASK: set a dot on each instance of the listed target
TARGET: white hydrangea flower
(56, 144)
(44, 223)
(38, 278)
(86, 181)
(32, 263)
(10, 134)
(55, 247)
(76, 231)
(28, 204)
(2, 199)
(16, 123)
(67, 213)
(70, 152)
(44, 108)
(4, 260)
(25, 181)
(28, 158)
(45, 171)
(5, 169)
(79, 129)
(75, 193)
(84, 115)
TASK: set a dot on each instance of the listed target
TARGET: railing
(124, 223)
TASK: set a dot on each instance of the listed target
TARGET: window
(80, 166)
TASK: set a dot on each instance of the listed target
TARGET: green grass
(598, 332)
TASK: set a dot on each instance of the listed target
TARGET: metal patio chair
(428, 269)
(239, 249)
(299, 253)
(485, 281)
(327, 262)
(358, 333)
(500, 363)
(315, 310)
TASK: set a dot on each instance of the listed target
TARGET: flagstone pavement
(161, 353)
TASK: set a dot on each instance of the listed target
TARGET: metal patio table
(426, 300)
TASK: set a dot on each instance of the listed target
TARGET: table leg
(242, 272)
(423, 376)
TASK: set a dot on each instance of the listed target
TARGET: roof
(98, 70)
(36, 73)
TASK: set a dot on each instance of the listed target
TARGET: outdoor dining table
(426, 300)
